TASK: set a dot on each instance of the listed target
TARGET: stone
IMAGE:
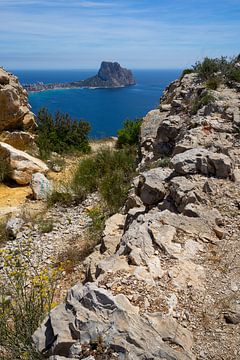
(4, 78)
(200, 160)
(90, 312)
(232, 317)
(15, 110)
(22, 164)
(13, 226)
(112, 232)
(41, 186)
(21, 140)
(151, 185)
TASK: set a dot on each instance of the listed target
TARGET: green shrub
(222, 68)
(108, 171)
(129, 135)
(45, 225)
(61, 134)
(186, 71)
(62, 196)
(203, 100)
(5, 170)
(234, 74)
(213, 83)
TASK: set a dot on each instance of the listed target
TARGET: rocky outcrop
(91, 311)
(15, 113)
(22, 165)
(164, 267)
(110, 75)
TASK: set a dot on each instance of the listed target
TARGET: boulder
(15, 111)
(91, 312)
(13, 226)
(41, 186)
(200, 160)
(22, 164)
(150, 185)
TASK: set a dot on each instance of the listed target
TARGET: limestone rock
(21, 140)
(22, 164)
(200, 160)
(41, 186)
(91, 312)
(15, 110)
(150, 185)
(13, 226)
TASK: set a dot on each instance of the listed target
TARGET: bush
(186, 71)
(222, 68)
(108, 171)
(213, 83)
(5, 170)
(129, 135)
(26, 296)
(62, 196)
(203, 100)
(61, 134)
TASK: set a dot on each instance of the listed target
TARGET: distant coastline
(110, 75)
(32, 88)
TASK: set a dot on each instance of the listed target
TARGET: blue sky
(45, 34)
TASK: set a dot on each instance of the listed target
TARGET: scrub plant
(26, 297)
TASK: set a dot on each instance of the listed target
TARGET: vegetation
(81, 247)
(204, 99)
(4, 170)
(129, 135)
(61, 134)
(26, 296)
(3, 233)
(45, 225)
(186, 71)
(218, 70)
(109, 172)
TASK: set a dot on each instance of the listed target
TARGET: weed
(204, 99)
(3, 233)
(45, 225)
(109, 172)
(26, 296)
(213, 82)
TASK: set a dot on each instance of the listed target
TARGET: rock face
(167, 270)
(15, 113)
(90, 311)
(110, 75)
(22, 165)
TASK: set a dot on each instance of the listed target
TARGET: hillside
(164, 281)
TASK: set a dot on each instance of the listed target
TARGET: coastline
(81, 87)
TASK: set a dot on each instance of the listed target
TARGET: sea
(104, 109)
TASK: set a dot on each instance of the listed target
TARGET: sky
(140, 34)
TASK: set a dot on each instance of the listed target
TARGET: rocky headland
(164, 281)
(110, 75)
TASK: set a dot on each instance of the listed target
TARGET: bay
(105, 109)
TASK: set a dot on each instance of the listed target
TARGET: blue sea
(105, 109)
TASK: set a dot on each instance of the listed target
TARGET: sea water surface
(105, 109)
